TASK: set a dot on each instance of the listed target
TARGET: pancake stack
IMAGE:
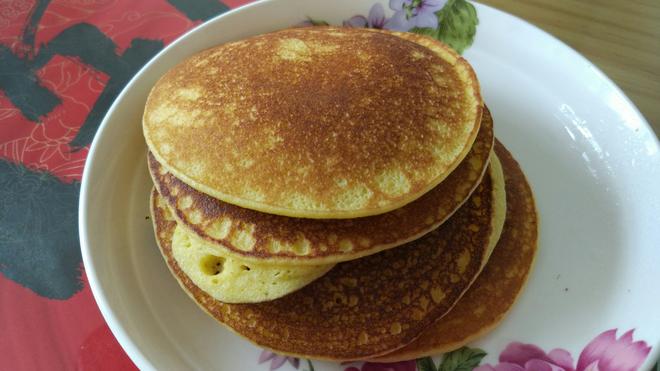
(337, 193)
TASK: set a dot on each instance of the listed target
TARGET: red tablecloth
(62, 63)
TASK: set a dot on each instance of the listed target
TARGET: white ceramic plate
(591, 158)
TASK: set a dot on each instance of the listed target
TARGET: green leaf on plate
(310, 365)
(463, 359)
(317, 22)
(457, 24)
(432, 32)
(425, 364)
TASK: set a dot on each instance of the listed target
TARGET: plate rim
(574, 54)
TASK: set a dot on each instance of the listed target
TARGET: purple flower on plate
(394, 366)
(603, 353)
(409, 14)
(376, 18)
(607, 353)
(527, 357)
(276, 360)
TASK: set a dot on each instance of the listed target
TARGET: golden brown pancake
(369, 306)
(233, 280)
(316, 122)
(252, 235)
(493, 293)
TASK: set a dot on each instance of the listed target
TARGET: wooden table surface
(620, 37)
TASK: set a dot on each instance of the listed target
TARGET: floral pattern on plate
(453, 22)
(605, 352)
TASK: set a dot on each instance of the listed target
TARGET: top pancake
(316, 122)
